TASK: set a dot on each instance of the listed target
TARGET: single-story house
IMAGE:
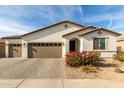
(57, 39)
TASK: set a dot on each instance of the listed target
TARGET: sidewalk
(60, 83)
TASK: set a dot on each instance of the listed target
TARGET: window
(47, 44)
(55, 44)
(99, 43)
(42, 44)
(59, 44)
(51, 44)
(38, 44)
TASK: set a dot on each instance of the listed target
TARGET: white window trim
(106, 43)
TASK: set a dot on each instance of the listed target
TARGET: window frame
(99, 43)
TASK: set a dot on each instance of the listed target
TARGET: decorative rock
(118, 70)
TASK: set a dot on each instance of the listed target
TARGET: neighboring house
(120, 43)
(2, 48)
(55, 40)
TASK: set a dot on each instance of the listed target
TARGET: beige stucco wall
(76, 35)
(110, 43)
(121, 44)
(11, 41)
(53, 34)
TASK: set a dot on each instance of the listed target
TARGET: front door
(72, 45)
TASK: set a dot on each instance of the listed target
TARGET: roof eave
(79, 30)
(118, 34)
(10, 38)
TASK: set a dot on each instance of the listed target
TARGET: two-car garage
(37, 50)
(45, 50)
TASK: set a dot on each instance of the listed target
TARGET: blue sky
(16, 20)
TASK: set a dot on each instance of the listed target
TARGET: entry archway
(74, 45)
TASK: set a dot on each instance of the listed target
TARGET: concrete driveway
(18, 68)
(39, 73)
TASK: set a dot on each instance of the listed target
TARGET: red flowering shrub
(90, 57)
(73, 58)
(84, 58)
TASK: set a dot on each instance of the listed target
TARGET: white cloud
(110, 23)
(21, 19)
(104, 17)
(8, 26)
(4, 28)
(81, 12)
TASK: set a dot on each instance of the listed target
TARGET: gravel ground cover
(105, 70)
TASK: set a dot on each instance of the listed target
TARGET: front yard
(18, 68)
(104, 69)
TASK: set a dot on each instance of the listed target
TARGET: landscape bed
(104, 69)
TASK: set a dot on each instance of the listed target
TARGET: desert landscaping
(104, 69)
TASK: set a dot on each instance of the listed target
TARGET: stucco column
(81, 44)
(24, 49)
(65, 47)
(6, 49)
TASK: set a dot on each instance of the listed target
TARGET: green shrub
(115, 57)
(95, 56)
(119, 56)
(88, 69)
(90, 58)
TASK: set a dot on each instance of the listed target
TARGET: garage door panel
(2, 50)
(45, 51)
(57, 51)
(15, 50)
